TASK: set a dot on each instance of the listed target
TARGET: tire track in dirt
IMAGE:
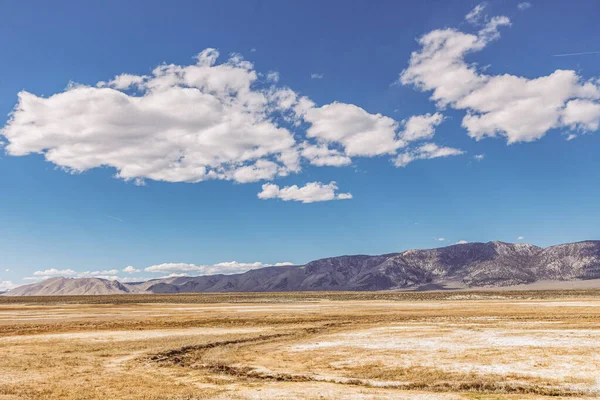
(192, 357)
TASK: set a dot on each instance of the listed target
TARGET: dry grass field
(442, 345)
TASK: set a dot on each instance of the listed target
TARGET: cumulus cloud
(228, 267)
(124, 81)
(315, 75)
(55, 272)
(188, 124)
(357, 131)
(321, 155)
(234, 267)
(260, 170)
(520, 238)
(207, 120)
(518, 108)
(170, 269)
(441, 239)
(421, 127)
(283, 264)
(425, 152)
(479, 157)
(581, 115)
(6, 285)
(310, 193)
(462, 242)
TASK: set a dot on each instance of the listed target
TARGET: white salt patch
(411, 338)
(560, 303)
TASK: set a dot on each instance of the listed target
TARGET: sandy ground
(117, 336)
(466, 347)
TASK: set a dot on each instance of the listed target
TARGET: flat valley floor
(427, 345)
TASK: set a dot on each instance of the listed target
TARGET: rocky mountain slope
(71, 287)
(491, 264)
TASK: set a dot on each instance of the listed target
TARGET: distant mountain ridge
(471, 265)
(71, 287)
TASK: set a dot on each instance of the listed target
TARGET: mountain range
(470, 265)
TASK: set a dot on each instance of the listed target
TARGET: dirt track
(469, 347)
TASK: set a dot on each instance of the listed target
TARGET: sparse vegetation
(479, 345)
(293, 297)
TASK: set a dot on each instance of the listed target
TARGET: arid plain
(446, 345)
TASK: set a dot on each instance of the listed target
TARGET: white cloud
(173, 275)
(132, 279)
(462, 242)
(439, 66)
(479, 157)
(55, 272)
(6, 285)
(125, 81)
(171, 269)
(525, 109)
(273, 76)
(421, 127)
(234, 267)
(110, 271)
(476, 14)
(490, 30)
(520, 238)
(283, 264)
(110, 274)
(238, 265)
(524, 5)
(260, 170)
(175, 267)
(188, 124)
(357, 131)
(316, 76)
(103, 273)
(309, 193)
(207, 120)
(425, 152)
(322, 155)
(7, 270)
(521, 109)
(582, 115)
(228, 267)
(441, 239)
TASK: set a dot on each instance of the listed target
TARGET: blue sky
(486, 132)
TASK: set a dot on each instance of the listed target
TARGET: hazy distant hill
(71, 287)
(491, 264)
